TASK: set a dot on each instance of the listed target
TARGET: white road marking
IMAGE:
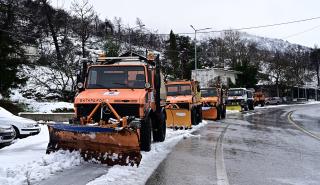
(222, 177)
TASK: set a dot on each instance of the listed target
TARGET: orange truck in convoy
(213, 106)
(259, 98)
(183, 107)
(117, 111)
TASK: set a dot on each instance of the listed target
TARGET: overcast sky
(178, 15)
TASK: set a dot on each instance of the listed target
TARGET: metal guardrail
(57, 117)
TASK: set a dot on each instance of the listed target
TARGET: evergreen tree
(186, 57)
(11, 52)
(112, 48)
(248, 78)
(171, 65)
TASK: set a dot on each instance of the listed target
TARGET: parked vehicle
(240, 99)
(259, 98)
(183, 107)
(273, 101)
(7, 134)
(213, 104)
(22, 126)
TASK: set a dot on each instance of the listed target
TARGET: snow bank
(25, 161)
(35, 106)
(150, 160)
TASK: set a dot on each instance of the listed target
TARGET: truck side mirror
(147, 85)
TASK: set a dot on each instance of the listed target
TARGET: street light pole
(195, 44)
(130, 31)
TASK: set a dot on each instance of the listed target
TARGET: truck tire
(218, 113)
(193, 117)
(262, 104)
(145, 134)
(199, 114)
(223, 112)
(245, 108)
(159, 134)
(251, 107)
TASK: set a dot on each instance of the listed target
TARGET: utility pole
(195, 44)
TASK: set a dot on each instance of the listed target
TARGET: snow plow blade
(107, 145)
(178, 118)
(234, 107)
(209, 113)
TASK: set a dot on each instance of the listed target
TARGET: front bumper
(30, 131)
(236, 102)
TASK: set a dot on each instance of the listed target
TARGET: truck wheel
(251, 107)
(246, 108)
(145, 135)
(218, 113)
(223, 112)
(199, 110)
(262, 104)
(193, 117)
(159, 135)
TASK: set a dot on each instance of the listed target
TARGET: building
(204, 76)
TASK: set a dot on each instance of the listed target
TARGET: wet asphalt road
(254, 148)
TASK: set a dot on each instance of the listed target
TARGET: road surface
(261, 147)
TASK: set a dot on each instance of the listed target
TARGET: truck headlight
(80, 85)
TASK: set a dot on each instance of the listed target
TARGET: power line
(302, 32)
(255, 27)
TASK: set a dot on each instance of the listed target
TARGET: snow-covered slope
(271, 44)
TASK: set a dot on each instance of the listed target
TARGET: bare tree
(315, 62)
(84, 15)
(49, 11)
(277, 68)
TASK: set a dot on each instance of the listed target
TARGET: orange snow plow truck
(183, 106)
(117, 111)
(213, 106)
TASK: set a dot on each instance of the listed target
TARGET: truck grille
(234, 102)
(84, 110)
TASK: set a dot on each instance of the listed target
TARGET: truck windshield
(208, 92)
(177, 89)
(107, 77)
(235, 92)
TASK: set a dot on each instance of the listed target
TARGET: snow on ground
(232, 111)
(25, 161)
(150, 160)
(35, 106)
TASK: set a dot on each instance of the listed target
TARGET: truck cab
(213, 105)
(240, 99)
